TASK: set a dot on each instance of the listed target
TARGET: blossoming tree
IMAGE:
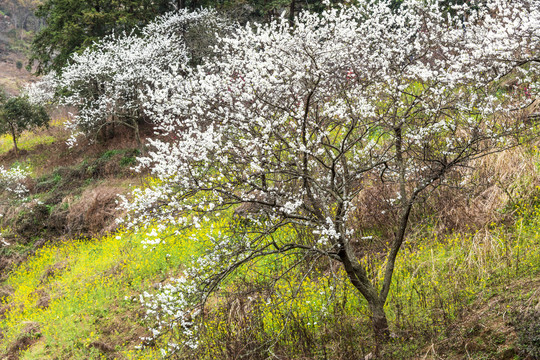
(290, 123)
(105, 82)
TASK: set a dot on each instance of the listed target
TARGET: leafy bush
(19, 114)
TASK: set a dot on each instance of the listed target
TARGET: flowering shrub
(12, 181)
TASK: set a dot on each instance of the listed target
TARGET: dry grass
(11, 78)
(96, 209)
(494, 185)
(485, 328)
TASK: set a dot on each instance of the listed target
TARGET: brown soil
(53, 271)
(27, 338)
(12, 80)
(77, 189)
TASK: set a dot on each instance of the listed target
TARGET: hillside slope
(73, 191)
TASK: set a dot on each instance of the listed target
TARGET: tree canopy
(106, 83)
(73, 25)
(18, 114)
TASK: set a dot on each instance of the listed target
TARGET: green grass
(29, 140)
(90, 285)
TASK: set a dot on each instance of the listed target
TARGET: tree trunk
(379, 322)
(138, 136)
(292, 7)
(359, 278)
(14, 141)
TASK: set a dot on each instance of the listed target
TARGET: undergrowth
(81, 297)
(80, 294)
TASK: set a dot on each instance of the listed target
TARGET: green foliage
(73, 25)
(107, 155)
(128, 160)
(17, 114)
(27, 141)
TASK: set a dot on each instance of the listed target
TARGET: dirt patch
(7, 262)
(44, 300)
(29, 335)
(4, 310)
(5, 291)
(53, 271)
(11, 78)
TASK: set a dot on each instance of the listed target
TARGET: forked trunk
(358, 277)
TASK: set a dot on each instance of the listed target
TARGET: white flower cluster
(12, 181)
(280, 104)
(172, 314)
(42, 92)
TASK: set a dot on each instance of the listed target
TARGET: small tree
(292, 123)
(18, 114)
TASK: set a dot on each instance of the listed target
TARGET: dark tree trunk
(13, 135)
(359, 278)
(138, 136)
(292, 11)
(379, 322)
